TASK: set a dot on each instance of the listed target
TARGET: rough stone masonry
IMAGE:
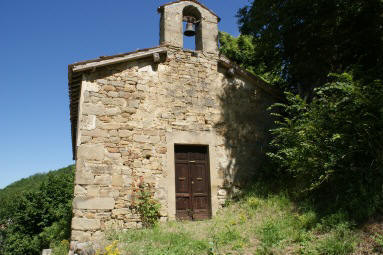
(129, 111)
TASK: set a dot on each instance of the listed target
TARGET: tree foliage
(146, 206)
(331, 150)
(312, 38)
(327, 56)
(242, 50)
(33, 218)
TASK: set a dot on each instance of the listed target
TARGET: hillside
(39, 208)
(35, 212)
(31, 183)
(254, 224)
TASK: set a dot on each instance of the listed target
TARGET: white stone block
(105, 203)
(85, 224)
(46, 252)
(91, 152)
(84, 177)
(141, 138)
(117, 180)
(92, 87)
(96, 109)
(88, 122)
(81, 236)
(112, 111)
(103, 180)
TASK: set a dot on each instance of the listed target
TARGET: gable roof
(108, 60)
(161, 8)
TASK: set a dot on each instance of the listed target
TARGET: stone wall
(130, 116)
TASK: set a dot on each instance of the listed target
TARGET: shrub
(146, 206)
(270, 234)
(60, 248)
(340, 241)
(331, 149)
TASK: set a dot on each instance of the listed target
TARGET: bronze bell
(190, 30)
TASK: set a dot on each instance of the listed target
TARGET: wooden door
(193, 201)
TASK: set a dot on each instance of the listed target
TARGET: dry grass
(372, 238)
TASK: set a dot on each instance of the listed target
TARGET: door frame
(207, 138)
(207, 175)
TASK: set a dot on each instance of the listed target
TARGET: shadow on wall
(245, 124)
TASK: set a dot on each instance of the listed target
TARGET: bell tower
(201, 23)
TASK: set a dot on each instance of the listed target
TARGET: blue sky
(38, 39)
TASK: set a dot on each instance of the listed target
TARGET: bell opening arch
(192, 32)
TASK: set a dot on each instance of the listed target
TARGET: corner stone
(91, 152)
(85, 224)
(81, 236)
(105, 203)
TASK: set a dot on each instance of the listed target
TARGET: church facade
(160, 116)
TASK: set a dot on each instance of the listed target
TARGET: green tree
(327, 142)
(243, 50)
(310, 39)
(332, 148)
(34, 219)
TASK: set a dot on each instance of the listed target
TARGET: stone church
(181, 120)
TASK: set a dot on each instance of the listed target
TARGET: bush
(331, 150)
(341, 241)
(146, 206)
(60, 248)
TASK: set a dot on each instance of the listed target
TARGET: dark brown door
(192, 182)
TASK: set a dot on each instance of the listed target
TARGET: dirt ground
(370, 231)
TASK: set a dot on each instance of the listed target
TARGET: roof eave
(104, 61)
(259, 82)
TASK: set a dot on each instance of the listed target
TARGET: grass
(60, 248)
(379, 240)
(253, 225)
